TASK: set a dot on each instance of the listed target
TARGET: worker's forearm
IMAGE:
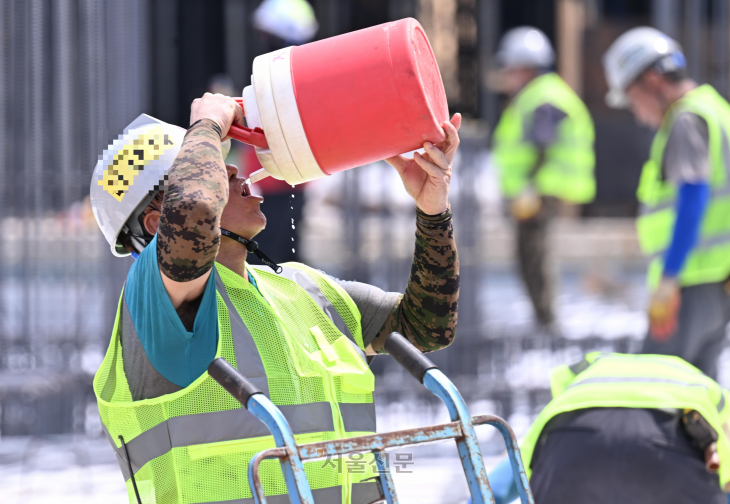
(426, 314)
(197, 191)
(692, 202)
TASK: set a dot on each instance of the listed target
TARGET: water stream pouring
(335, 104)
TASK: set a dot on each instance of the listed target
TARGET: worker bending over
(684, 191)
(629, 429)
(164, 195)
(543, 149)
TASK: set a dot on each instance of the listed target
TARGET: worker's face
(646, 102)
(242, 214)
(514, 79)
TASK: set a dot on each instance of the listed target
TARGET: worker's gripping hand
(427, 177)
(223, 110)
(663, 309)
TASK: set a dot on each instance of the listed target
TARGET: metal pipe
(720, 46)
(467, 445)
(693, 37)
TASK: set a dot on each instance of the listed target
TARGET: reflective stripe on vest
(584, 364)
(218, 426)
(247, 355)
(702, 244)
(715, 192)
(238, 424)
(231, 425)
(362, 493)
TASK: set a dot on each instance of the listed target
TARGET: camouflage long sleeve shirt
(197, 192)
(426, 313)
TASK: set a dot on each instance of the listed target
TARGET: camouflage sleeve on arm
(197, 191)
(426, 314)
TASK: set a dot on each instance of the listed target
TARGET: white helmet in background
(525, 47)
(631, 54)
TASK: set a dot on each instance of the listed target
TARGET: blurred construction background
(73, 73)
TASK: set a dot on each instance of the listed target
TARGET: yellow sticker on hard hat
(131, 159)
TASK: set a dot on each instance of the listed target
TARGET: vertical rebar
(5, 71)
(34, 177)
(693, 10)
(665, 16)
(487, 34)
(236, 36)
(720, 14)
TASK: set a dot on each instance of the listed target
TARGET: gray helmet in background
(634, 52)
(525, 47)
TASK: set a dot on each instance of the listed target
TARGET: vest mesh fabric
(709, 261)
(218, 471)
(635, 381)
(567, 170)
(336, 295)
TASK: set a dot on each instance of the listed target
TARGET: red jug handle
(246, 135)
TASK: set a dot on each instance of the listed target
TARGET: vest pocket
(342, 359)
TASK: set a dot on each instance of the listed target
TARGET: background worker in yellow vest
(164, 195)
(629, 429)
(543, 149)
(684, 191)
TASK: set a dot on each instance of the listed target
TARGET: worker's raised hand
(427, 177)
(221, 109)
(664, 310)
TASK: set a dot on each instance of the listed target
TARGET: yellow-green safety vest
(709, 260)
(567, 171)
(299, 340)
(606, 380)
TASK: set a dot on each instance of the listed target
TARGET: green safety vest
(604, 380)
(567, 171)
(299, 340)
(709, 261)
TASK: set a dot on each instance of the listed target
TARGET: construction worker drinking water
(164, 195)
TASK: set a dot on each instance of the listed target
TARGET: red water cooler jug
(331, 105)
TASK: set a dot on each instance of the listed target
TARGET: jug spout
(257, 176)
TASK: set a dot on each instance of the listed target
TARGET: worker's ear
(151, 221)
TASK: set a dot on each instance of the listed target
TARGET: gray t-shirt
(374, 304)
(543, 130)
(686, 155)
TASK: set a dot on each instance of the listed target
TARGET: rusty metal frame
(461, 429)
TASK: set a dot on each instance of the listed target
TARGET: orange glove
(663, 310)
(526, 205)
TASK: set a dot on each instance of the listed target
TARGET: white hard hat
(291, 20)
(128, 175)
(631, 54)
(525, 47)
